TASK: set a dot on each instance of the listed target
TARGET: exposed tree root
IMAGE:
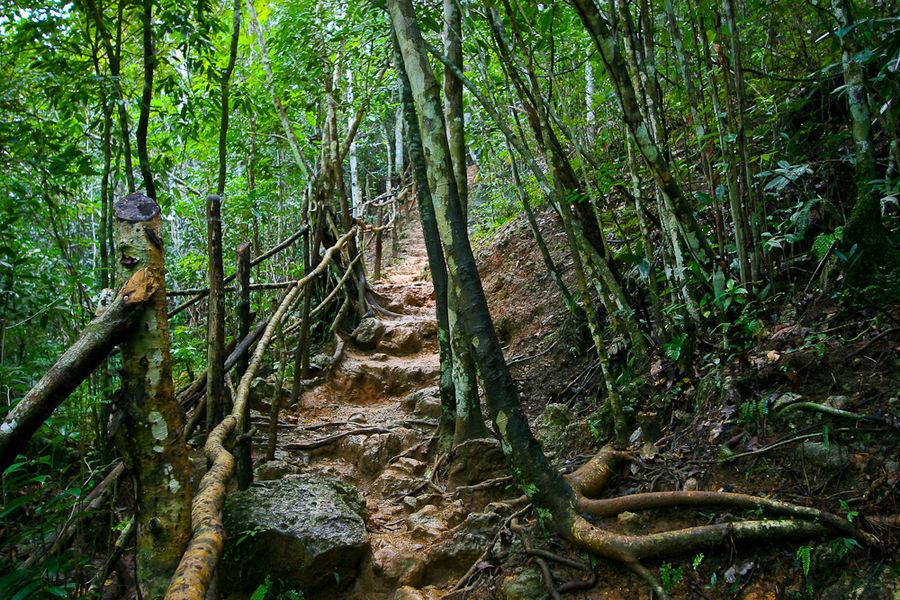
(333, 438)
(590, 480)
(834, 412)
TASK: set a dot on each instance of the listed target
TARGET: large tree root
(590, 480)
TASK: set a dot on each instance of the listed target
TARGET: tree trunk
(436, 262)
(149, 51)
(537, 478)
(226, 76)
(453, 99)
(76, 364)
(864, 228)
(151, 439)
(215, 324)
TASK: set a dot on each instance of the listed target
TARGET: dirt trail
(385, 393)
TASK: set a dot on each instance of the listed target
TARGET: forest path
(382, 403)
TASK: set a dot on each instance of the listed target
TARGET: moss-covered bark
(151, 438)
(537, 478)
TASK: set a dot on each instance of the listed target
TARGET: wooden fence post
(242, 451)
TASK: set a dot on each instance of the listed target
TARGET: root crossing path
(369, 424)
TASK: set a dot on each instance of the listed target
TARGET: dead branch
(74, 366)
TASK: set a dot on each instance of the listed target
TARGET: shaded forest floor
(716, 425)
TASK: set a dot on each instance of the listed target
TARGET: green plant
(697, 560)
(804, 555)
(271, 590)
(752, 414)
(670, 576)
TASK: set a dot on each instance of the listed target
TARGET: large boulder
(304, 530)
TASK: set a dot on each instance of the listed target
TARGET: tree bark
(149, 51)
(225, 78)
(436, 261)
(538, 479)
(453, 99)
(75, 365)
(215, 323)
(151, 439)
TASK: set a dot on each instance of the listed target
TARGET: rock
(691, 484)
(275, 469)
(400, 477)
(410, 401)
(428, 407)
(527, 585)
(426, 523)
(830, 457)
(463, 546)
(403, 568)
(410, 593)
(853, 585)
(371, 452)
(261, 393)
(400, 341)
(551, 427)
(631, 522)
(838, 402)
(302, 530)
(358, 418)
(478, 460)
(368, 333)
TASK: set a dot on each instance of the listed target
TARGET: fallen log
(74, 366)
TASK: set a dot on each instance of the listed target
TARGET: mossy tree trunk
(436, 261)
(864, 228)
(537, 478)
(151, 438)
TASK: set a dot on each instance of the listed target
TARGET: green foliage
(752, 415)
(670, 576)
(272, 590)
(804, 554)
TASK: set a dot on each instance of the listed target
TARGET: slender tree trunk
(215, 332)
(537, 478)
(539, 239)
(149, 51)
(286, 125)
(864, 228)
(113, 56)
(151, 438)
(605, 42)
(225, 78)
(436, 261)
(453, 99)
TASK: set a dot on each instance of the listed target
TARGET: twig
(521, 359)
(871, 341)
